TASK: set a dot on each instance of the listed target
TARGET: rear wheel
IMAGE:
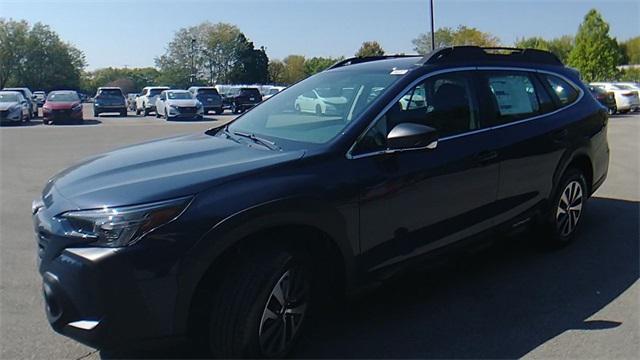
(145, 111)
(613, 110)
(567, 206)
(261, 306)
(137, 112)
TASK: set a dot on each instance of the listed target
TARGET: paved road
(508, 301)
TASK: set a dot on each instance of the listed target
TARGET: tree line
(220, 53)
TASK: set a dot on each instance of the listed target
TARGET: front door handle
(485, 157)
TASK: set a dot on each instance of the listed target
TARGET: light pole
(433, 35)
(193, 55)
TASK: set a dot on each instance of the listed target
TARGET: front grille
(188, 110)
(4, 113)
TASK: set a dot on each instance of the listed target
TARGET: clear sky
(134, 32)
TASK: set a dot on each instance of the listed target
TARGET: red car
(62, 105)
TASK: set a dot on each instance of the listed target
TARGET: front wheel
(567, 206)
(261, 306)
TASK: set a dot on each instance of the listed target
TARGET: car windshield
(155, 92)
(110, 93)
(179, 95)
(298, 116)
(8, 97)
(63, 97)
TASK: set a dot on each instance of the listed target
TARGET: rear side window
(564, 93)
(515, 95)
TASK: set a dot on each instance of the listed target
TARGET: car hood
(7, 105)
(182, 102)
(58, 105)
(162, 169)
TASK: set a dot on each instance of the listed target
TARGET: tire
(157, 115)
(166, 115)
(96, 114)
(247, 318)
(562, 221)
(218, 111)
(145, 111)
(123, 113)
(137, 112)
(27, 119)
(613, 110)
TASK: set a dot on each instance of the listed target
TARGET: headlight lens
(117, 227)
(77, 107)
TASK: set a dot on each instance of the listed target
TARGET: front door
(415, 201)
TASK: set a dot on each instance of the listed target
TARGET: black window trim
(422, 78)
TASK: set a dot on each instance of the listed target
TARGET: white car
(272, 91)
(146, 101)
(14, 107)
(320, 103)
(626, 99)
(178, 104)
(630, 86)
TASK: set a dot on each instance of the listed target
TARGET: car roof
(156, 87)
(11, 92)
(63, 91)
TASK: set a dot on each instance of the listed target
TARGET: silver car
(14, 107)
(178, 104)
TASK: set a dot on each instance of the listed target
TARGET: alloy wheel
(569, 208)
(284, 312)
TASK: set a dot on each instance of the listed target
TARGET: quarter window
(562, 90)
(444, 102)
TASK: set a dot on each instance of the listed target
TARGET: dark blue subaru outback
(232, 236)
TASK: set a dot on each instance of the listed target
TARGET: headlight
(77, 107)
(117, 227)
(14, 108)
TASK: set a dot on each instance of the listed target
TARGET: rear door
(415, 201)
(533, 136)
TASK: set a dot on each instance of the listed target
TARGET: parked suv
(209, 97)
(28, 95)
(146, 101)
(231, 236)
(109, 100)
(242, 99)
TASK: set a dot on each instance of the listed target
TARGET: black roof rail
(476, 53)
(363, 59)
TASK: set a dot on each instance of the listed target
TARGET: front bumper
(93, 296)
(186, 113)
(105, 297)
(53, 115)
(13, 116)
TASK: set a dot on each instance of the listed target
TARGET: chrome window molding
(414, 83)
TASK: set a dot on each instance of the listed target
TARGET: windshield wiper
(267, 143)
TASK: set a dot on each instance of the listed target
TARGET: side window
(144, 92)
(515, 95)
(446, 103)
(565, 93)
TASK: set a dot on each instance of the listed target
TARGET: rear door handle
(485, 157)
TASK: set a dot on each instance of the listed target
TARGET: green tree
(318, 64)
(36, 57)
(560, 46)
(130, 79)
(294, 69)
(631, 50)
(277, 71)
(595, 53)
(447, 36)
(630, 74)
(370, 48)
(220, 54)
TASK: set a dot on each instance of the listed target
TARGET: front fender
(311, 212)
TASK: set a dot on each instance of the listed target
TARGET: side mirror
(408, 136)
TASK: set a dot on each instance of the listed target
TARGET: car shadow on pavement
(501, 302)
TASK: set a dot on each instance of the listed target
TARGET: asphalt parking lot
(508, 301)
